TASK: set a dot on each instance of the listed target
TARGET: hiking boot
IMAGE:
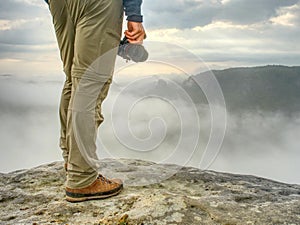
(101, 188)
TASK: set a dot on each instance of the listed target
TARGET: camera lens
(137, 53)
(134, 52)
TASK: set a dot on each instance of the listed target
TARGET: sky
(223, 33)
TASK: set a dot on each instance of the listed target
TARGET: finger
(128, 34)
(138, 40)
(140, 35)
(134, 33)
(137, 36)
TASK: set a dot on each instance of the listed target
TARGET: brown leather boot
(99, 189)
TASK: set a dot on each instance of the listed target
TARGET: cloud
(25, 25)
(262, 143)
(249, 12)
(18, 9)
(287, 16)
(27, 40)
(179, 14)
(224, 33)
(27, 32)
(232, 32)
(271, 40)
(223, 43)
(184, 14)
(21, 9)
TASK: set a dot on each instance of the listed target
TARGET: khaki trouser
(85, 30)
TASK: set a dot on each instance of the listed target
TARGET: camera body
(134, 52)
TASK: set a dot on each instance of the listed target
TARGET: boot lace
(104, 179)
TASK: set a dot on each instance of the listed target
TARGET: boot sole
(95, 197)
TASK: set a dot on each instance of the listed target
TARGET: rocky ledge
(191, 196)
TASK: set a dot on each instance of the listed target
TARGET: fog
(29, 121)
(257, 142)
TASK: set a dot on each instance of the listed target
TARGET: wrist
(135, 18)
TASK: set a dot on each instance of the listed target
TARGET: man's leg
(98, 30)
(65, 33)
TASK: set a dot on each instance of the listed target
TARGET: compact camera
(134, 52)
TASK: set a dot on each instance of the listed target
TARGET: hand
(135, 33)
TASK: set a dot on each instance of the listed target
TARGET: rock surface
(190, 196)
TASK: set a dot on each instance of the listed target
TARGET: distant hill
(267, 88)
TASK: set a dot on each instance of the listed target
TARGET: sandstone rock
(190, 196)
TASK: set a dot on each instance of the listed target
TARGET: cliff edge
(191, 196)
